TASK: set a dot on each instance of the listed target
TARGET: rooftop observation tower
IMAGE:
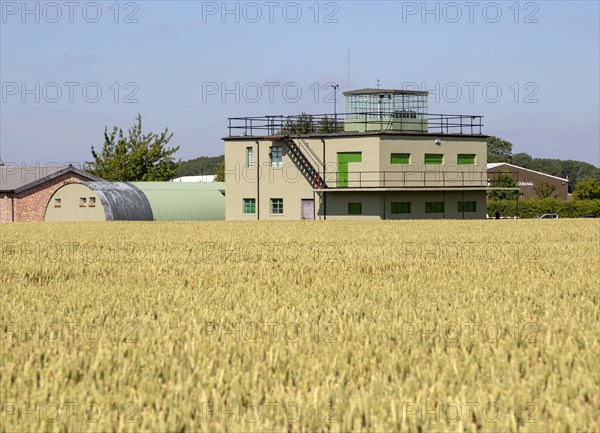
(385, 110)
(367, 110)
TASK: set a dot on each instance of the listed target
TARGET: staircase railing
(314, 174)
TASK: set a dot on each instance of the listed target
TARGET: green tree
(327, 125)
(303, 124)
(522, 159)
(544, 190)
(550, 166)
(199, 166)
(503, 180)
(578, 171)
(220, 175)
(499, 150)
(587, 190)
(136, 157)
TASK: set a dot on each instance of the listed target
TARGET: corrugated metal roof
(180, 201)
(122, 201)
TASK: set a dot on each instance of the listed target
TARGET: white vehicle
(548, 216)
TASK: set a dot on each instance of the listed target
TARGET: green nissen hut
(137, 201)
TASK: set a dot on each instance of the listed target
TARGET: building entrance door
(308, 209)
(343, 158)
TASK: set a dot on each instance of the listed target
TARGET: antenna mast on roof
(348, 68)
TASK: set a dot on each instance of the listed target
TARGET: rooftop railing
(368, 121)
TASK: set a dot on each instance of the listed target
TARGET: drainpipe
(323, 198)
(444, 200)
(257, 179)
(12, 207)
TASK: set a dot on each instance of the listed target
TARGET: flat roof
(374, 91)
(353, 134)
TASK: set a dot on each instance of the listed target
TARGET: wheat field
(412, 326)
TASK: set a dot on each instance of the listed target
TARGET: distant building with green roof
(137, 201)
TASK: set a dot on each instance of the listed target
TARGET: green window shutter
(467, 206)
(401, 207)
(249, 206)
(434, 207)
(400, 158)
(434, 158)
(466, 159)
(354, 208)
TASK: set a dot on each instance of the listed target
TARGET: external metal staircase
(304, 164)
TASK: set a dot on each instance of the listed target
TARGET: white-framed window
(82, 201)
(249, 205)
(249, 157)
(92, 201)
(276, 156)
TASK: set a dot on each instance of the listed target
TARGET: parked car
(548, 216)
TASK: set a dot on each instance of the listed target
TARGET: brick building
(25, 190)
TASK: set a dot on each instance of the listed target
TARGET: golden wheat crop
(486, 326)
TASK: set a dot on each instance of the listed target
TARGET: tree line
(500, 150)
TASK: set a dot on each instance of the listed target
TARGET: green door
(343, 158)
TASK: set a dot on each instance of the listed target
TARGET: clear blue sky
(176, 52)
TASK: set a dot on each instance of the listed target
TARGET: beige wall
(448, 174)
(288, 182)
(240, 182)
(378, 205)
(69, 209)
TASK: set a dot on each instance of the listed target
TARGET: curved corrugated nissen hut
(137, 201)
